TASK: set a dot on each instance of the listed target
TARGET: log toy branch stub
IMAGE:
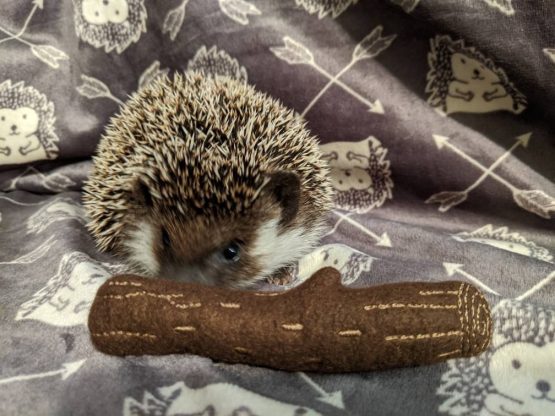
(318, 326)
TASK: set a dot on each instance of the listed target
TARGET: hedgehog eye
(232, 252)
(3, 118)
(166, 241)
(516, 364)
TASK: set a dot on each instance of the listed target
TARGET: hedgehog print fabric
(360, 174)
(462, 80)
(26, 125)
(516, 376)
(110, 24)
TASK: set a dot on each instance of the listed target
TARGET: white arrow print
(46, 53)
(381, 240)
(373, 107)
(535, 201)
(335, 398)
(371, 46)
(38, 4)
(454, 268)
(67, 370)
(542, 283)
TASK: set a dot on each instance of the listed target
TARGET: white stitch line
(268, 294)
(446, 354)
(230, 305)
(292, 327)
(410, 306)
(437, 292)
(350, 333)
(423, 336)
(241, 350)
(185, 328)
(158, 296)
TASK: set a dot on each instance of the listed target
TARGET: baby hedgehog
(208, 180)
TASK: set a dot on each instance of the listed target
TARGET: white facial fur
(139, 245)
(99, 12)
(19, 123)
(276, 250)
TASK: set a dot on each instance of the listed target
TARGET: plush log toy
(318, 326)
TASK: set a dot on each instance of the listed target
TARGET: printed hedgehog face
(110, 24)
(359, 173)
(468, 69)
(26, 125)
(524, 377)
(16, 125)
(99, 12)
(462, 79)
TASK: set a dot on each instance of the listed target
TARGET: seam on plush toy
(241, 350)
(124, 283)
(350, 333)
(230, 305)
(293, 327)
(423, 336)
(438, 292)
(460, 303)
(185, 329)
(409, 305)
(123, 333)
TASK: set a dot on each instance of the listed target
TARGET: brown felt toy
(318, 326)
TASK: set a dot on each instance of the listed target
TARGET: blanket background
(448, 107)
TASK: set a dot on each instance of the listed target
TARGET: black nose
(14, 127)
(477, 72)
(543, 386)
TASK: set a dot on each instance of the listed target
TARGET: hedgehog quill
(206, 179)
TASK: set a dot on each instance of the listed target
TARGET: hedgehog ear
(285, 189)
(141, 194)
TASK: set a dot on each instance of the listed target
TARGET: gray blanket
(439, 116)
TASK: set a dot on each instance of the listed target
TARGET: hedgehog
(206, 179)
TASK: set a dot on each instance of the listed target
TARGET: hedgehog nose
(477, 72)
(543, 386)
(14, 127)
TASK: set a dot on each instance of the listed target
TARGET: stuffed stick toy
(319, 326)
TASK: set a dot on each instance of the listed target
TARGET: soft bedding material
(437, 118)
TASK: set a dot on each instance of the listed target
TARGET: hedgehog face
(99, 12)
(525, 373)
(232, 251)
(470, 70)
(18, 123)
